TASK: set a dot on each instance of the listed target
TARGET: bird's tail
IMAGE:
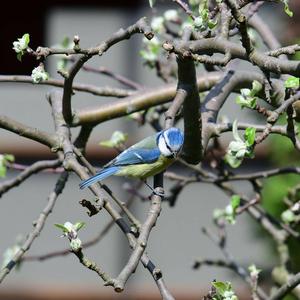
(98, 177)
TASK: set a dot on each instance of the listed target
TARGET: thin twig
(34, 168)
(38, 226)
(87, 88)
(139, 27)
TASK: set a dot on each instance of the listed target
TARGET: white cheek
(163, 148)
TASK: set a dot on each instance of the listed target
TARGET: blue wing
(98, 177)
(128, 157)
(134, 156)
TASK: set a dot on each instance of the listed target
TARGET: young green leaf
(235, 202)
(249, 136)
(248, 97)
(212, 24)
(117, 138)
(238, 149)
(229, 212)
(9, 157)
(26, 39)
(287, 9)
(256, 87)
(21, 45)
(79, 225)
(62, 227)
(233, 161)
(19, 56)
(249, 102)
(292, 82)
(220, 286)
(2, 170)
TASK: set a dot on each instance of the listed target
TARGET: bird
(146, 158)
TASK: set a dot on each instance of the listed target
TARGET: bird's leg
(153, 190)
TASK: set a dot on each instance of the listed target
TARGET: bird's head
(170, 142)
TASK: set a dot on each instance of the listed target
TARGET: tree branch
(137, 102)
(32, 133)
(210, 46)
(141, 242)
(87, 88)
(139, 27)
(187, 85)
(38, 166)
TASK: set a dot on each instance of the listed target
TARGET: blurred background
(177, 240)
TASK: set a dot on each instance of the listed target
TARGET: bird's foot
(157, 193)
(162, 195)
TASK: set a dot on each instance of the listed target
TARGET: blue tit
(146, 158)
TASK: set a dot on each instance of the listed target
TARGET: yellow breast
(146, 170)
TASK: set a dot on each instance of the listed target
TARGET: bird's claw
(159, 194)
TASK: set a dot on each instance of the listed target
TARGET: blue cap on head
(174, 138)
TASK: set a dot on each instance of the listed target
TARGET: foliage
(239, 149)
(4, 159)
(229, 213)
(21, 45)
(248, 98)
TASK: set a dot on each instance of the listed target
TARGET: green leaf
(79, 225)
(19, 56)
(117, 138)
(249, 102)
(220, 286)
(287, 9)
(241, 100)
(292, 82)
(249, 136)
(252, 102)
(62, 227)
(212, 24)
(9, 157)
(247, 97)
(26, 38)
(233, 161)
(235, 202)
(239, 149)
(256, 87)
(107, 144)
(2, 170)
